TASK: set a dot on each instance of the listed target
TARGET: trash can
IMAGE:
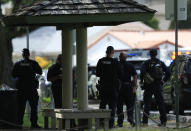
(8, 109)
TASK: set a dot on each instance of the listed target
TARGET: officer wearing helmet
(108, 70)
(153, 73)
(25, 72)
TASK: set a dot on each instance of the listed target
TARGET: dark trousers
(127, 97)
(109, 97)
(157, 91)
(32, 97)
(57, 95)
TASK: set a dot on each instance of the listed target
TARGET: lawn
(27, 121)
(149, 129)
(129, 128)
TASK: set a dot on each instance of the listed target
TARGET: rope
(10, 123)
(158, 123)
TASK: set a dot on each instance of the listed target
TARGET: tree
(154, 23)
(7, 34)
(184, 24)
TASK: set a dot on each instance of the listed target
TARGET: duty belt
(127, 83)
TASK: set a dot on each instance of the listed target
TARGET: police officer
(55, 76)
(127, 90)
(25, 72)
(153, 73)
(108, 71)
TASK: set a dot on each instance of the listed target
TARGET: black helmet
(153, 52)
(109, 49)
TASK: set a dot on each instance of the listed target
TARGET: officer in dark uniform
(127, 90)
(25, 72)
(109, 72)
(153, 73)
(55, 76)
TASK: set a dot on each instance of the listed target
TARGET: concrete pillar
(67, 98)
(82, 70)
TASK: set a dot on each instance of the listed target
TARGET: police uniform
(109, 72)
(154, 88)
(25, 72)
(126, 95)
(53, 71)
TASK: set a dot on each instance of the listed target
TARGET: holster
(36, 83)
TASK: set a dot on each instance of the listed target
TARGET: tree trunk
(0, 10)
(6, 49)
(5, 58)
(1, 54)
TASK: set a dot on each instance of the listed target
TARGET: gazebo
(70, 15)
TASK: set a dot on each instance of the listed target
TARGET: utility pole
(176, 61)
(27, 39)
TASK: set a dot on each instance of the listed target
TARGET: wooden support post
(97, 123)
(45, 122)
(53, 122)
(67, 124)
(106, 124)
(60, 123)
(89, 124)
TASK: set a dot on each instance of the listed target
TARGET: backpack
(154, 72)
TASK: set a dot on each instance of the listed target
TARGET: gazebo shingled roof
(86, 12)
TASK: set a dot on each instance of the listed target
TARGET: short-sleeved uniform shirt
(128, 70)
(25, 71)
(108, 70)
(55, 70)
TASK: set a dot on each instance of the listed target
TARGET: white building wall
(98, 50)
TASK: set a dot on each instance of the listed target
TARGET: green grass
(128, 127)
(27, 120)
(149, 129)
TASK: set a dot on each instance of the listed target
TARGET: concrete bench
(65, 115)
(49, 113)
